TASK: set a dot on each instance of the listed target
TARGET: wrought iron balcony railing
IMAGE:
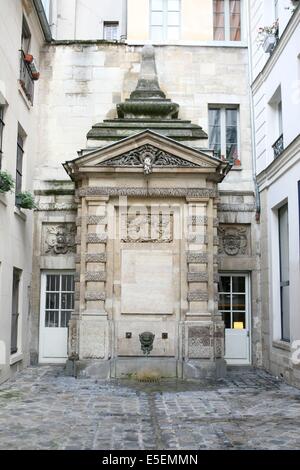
(26, 79)
(278, 146)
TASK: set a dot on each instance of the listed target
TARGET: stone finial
(148, 101)
(148, 86)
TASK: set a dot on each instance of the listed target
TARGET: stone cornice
(148, 192)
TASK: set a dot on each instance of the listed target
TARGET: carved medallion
(233, 240)
(146, 340)
(60, 239)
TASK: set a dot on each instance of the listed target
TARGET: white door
(234, 306)
(57, 304)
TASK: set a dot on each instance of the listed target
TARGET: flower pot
(28, 58)
(237, 162)
(269, 43)
(35, 75)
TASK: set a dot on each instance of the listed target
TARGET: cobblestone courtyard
(42, 409)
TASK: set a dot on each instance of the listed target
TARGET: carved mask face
(61, 239)
(232, 243)
(146, 340)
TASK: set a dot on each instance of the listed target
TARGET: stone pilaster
(197, 257)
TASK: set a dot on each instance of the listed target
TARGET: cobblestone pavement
(40, 408)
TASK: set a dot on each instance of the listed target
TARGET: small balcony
(278, 146)
(26, 77)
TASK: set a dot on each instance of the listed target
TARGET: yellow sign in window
(238, 325)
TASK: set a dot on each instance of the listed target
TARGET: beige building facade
(193, 278)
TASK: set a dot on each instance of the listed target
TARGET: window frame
(227, 27)
(283, 283)
(2, 125)
(107, 24)
(223, 127)
(165, 25)
(19, 163)
(231, 293)
(15, 297)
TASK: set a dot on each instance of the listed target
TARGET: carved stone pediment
(146, 151)
(147, 157)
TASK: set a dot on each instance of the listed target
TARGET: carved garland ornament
(148, 157)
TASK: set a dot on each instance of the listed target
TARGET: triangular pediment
(142, 152)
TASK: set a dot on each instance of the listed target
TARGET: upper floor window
(1, 131)
(26, 37)
(227, 20)
(26, 71)
(165, 20)
(224, 131)
(111, 30)
(19, 163)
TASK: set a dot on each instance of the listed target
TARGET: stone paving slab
(40, 408)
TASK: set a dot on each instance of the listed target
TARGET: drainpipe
(43, 19)
(124, 20)
(257, 194)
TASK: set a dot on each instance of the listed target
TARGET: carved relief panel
(234, 240)
(146, 227)
(58, 239)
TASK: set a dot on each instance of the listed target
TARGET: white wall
(16, 225)
(83, 19)
(285, 73)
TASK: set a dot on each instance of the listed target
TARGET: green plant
(6, 182)
(25, 200)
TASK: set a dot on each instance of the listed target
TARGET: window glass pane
(238, 284)
(224, 302)
(214, 116)
(231, 152)
(239, 320)
(157, 33)
(51, 319)
(235, 20)
(285, 313)
(173, 19)
(157, 4)
(173, 5)
(52, 283)
(157, 18)
(284, 270)
(52, 300)
(218, 6)
(219, 20)
(65, 318)
(224, 284)
(231, 135)
(284, 242)
(231, 117)
(238, 302)
(67, 301)
(226, 319)
(173, 32)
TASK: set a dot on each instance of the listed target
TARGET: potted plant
(28, 58)
(25, 200)
(268, 36)
(6, 182)
(35, 75)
